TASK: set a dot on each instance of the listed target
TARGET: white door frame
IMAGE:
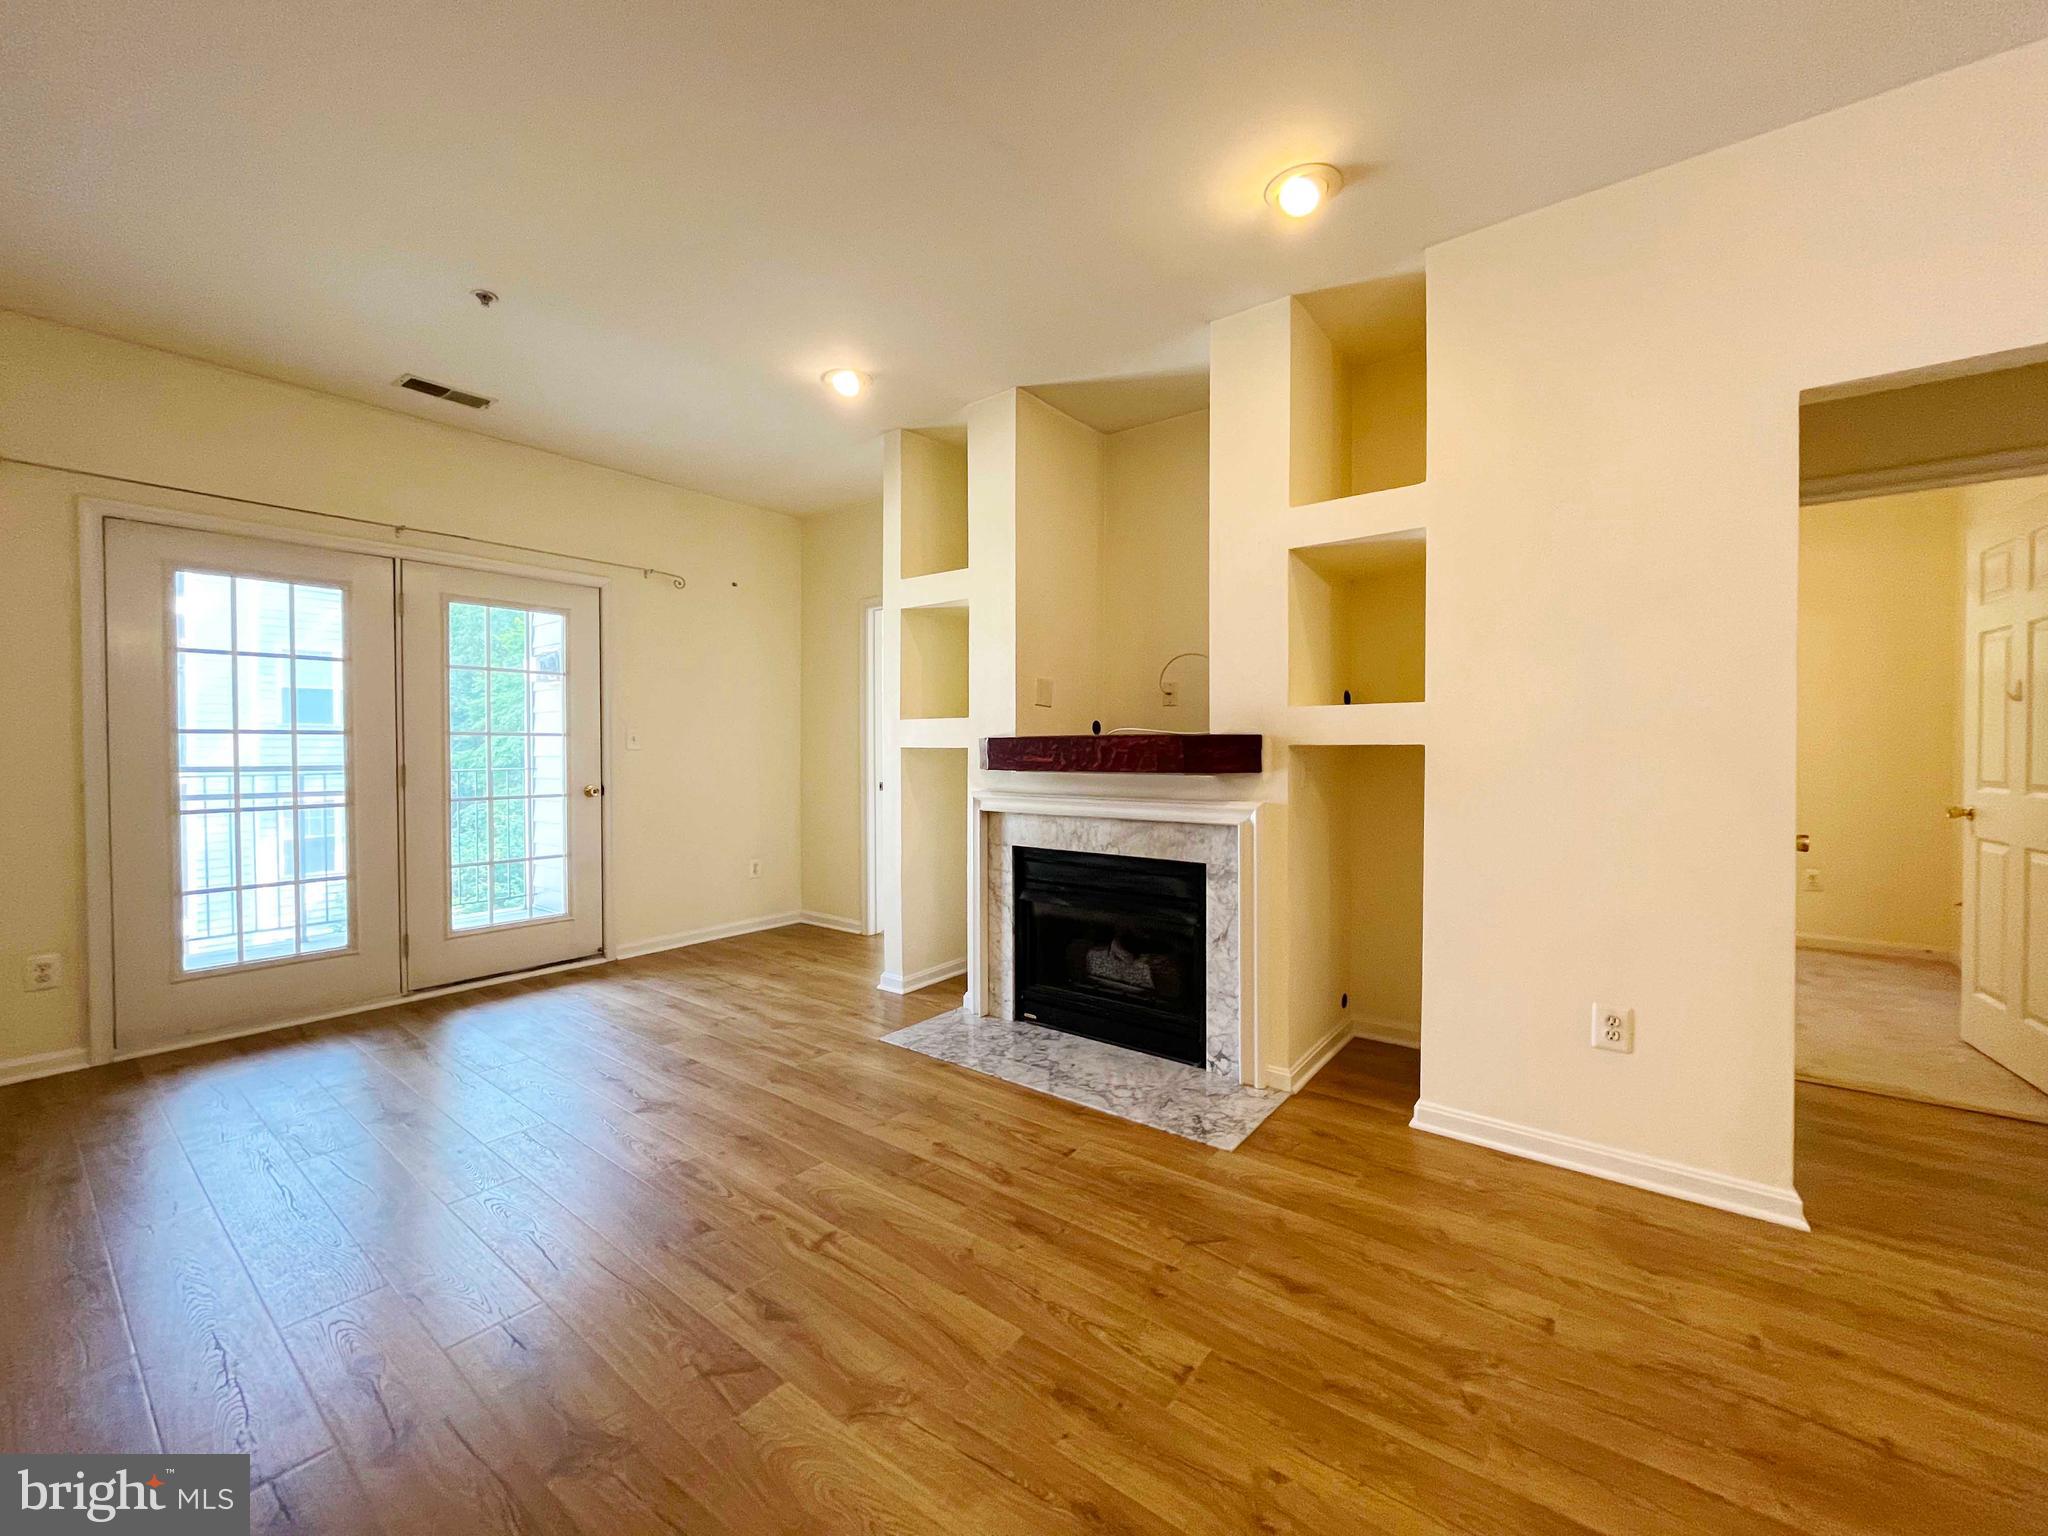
(93, 514)
(870, 760)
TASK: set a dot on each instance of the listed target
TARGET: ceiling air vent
(422, 386)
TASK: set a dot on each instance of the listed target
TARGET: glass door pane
(260, 743)
(507, 719)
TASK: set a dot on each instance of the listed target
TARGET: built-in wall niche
(934, 502)
(1359, 405)
(1356, 620)
(1355, 884)
(934, 663)
(933, 867)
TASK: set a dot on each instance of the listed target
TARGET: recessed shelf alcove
(1356, 631)
(933, 869)
(1355, 881)
(1359, 407)
(934, 685)
(934, 492)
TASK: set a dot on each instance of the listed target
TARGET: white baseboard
(1406, 1032)
(44, 1064)
(1835, 944)
(836, 924)
(917, 981)
(730, 930)
(1294, 1077)
(1745, 1197)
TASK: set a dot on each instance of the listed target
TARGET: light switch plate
(1041, 693)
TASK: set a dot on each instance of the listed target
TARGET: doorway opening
(1921, 855)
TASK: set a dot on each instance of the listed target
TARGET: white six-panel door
(2005, 776)
(503, 800)
(253, 804)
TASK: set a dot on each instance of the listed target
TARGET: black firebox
(1113, 948)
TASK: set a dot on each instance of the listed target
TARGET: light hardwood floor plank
(677, 1244)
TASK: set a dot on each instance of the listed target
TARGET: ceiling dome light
(844, 381)
(1300, 190)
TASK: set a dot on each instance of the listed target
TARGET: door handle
(592, 791)
(1962, 813)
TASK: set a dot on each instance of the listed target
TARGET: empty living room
(1150, 768)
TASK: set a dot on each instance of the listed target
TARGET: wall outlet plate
(42, 973)
(1614, 1029)
(1041, 693)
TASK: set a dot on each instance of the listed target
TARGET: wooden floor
(676, 1246)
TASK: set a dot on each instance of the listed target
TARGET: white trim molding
(1884, 948)
(1295, 1076)
(1402, 1032)
(1775, 1203)
(1934, 474)
(917, 981)
(44, 1064)
(714, 932)
(836, 924)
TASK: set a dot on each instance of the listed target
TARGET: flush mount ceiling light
(846, 382)
(1300, 190)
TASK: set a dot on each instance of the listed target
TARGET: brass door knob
(1962, 813)
(592, 791)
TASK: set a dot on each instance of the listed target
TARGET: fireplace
(1113, 947)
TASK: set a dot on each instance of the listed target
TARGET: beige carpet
(1889, 1026)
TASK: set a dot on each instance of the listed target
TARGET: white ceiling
(691, 209)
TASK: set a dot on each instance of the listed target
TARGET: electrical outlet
(1614, 1029)
(1170, 694)
(1809, 880)
(1041, 693)
(754, 868)
(41, 973)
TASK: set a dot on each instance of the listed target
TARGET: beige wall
(708, 677)
(1059, 468)
(1613, 390)
(842, 576)
(1384, 397)
(1155, 573)
(934, 859)
(934, 536)
(1880, 720)
(935, 664)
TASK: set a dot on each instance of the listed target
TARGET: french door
(335, 778)
(503, 809)
(253, 760)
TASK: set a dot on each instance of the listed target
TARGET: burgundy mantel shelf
(1133, 752)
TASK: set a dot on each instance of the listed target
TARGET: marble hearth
(1219, 1105)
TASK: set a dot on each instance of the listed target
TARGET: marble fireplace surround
(1221, 835)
